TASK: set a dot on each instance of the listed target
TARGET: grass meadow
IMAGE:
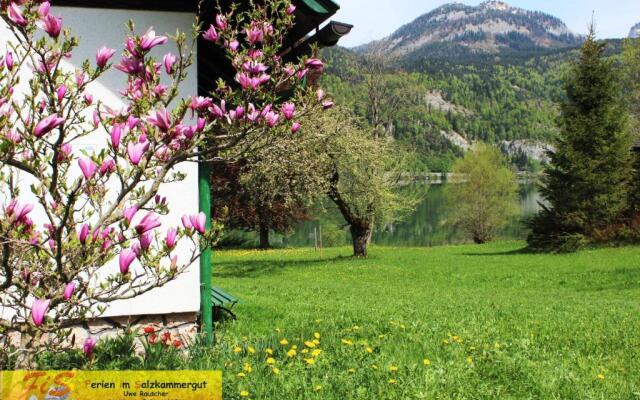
(463, 322)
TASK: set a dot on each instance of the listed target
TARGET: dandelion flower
(393, 368)
(271, 360)
(392, 381)
(469, 360)
(251, 350)
(317, 387)
(269, 351)
(304, 351)
(316, 352)
(247, 367)
(310, 344)
(291, 353)
(316, 335)
(310, 361)
(284, 342)
(369, 350)
(347, 342)
(426, 361)
(275, 370)
(374, 366)
(316, 341)
(351, 370)
(241, 375)
(244, 393)
(601, 377)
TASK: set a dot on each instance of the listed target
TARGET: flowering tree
(87, 209)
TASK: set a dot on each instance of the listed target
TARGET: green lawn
(491, 321)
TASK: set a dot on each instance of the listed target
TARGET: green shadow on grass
(254, 268)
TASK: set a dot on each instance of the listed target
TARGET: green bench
(222, 302)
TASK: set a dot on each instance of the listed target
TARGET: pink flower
(132, 122)
(254, 67)
(200, 102)
(149, 40)
(272, 119)
(87, 166)
(129, 213)
(103, 56)
(83, 234)
(244, 80)
(135, 151)
(15, 14)
(89, 345)
(109, 165)
(116, 135)
(221, 21)
(44, 8)
(88, 99)
(69, 289)
(39, 308)
(96, 118)
(199, 222)
(171, 238)
(126, 258)
(327, 104)
(8, 60)
(145, 241)
(62, 90)
(52, 25)
(161, 119)
(315, 64)
(186, 222)
(234, 45)
(18, 212)
(211, 34)
(47, 125)
(254, 34)
(169, 60)
(288, 109)
(320, 94)
(149, 221)
(13, 136)
(291, 9)
(130, 65)
(295, 127)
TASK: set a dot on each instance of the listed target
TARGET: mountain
(635, 31)
(487, 29)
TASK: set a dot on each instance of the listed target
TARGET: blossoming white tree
(88, 208)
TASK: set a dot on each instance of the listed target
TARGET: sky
(375, 19)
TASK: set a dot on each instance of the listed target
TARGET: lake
(427, 226)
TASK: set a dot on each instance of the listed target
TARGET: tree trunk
(263, 213)
(361, 237)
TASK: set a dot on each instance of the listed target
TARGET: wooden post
(320, 238)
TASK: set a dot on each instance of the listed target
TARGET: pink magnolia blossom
(109, 165)
(43, 9)
(320, 94)
(149, 40)
(200, 102)
(221, 21)
(169, 60)
(161, 119)
(69, 289)
(132, 122)
(295, 127)
(88, 99)
(288, 109)
(302, 73)
(234, 45)
(272, 119)
(39, 308)
(47, 125)
(199, 222)
(116, 135)
(61, 92)
(145, 241)
(327, 104)
(13, 136)
(135, 151)
(186, 222)
(254, 67)
(149, 222)
(291, 9)
(170, 240)
(130, 65)
(52, 25)
(315, 64)
(84, 233)
(129, 213)
(15, 15)
(211, 34)
(103, 56)
(254, 34)
(18, 212)
(89, 345)
(126, 258)
(8, 60)
(87, 166)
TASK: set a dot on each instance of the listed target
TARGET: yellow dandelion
(445, 342)
(402, 326)
(316, 352)
(251, 350)
(278, 330)
(355, 327)
(472, 348)
(244, 393)
(245, 338)
(351, 370)
(275, 370)
(316, 341)
(271, 360)
(347, 342)
(317, 387)
(426, 361)
(304, 351)
(237, 349)
(601, 377)
(247, 367)
(310, 361)
(369, 350)
(316, 335)
(497, 345)
(374, 366)
(318, 321)
(269, 351)
(295, 347)
(284, 342)
(393, 368)
(469, 360)
(310, 344)
(392, 381)
(291, 353)
(241, 375)
(381, 336)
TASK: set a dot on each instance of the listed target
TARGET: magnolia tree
(81, 229)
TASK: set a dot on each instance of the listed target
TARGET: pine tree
(586, 183)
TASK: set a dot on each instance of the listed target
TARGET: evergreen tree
(586, 183)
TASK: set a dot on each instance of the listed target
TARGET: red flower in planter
(166, 337)
(149, 329)
(177, 343)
